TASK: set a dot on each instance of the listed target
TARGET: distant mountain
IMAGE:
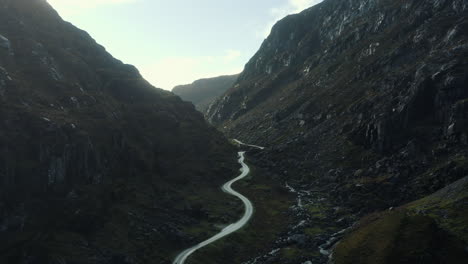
(362, 105)
(205, 91)
(95, 164)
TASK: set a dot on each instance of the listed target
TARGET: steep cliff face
(364, 100)
(378, 77)
(202, 93)
(93, 159)
(343, 48)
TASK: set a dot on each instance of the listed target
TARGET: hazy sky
(175, 42)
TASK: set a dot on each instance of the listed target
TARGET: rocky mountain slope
(96, 165)
(202, 93)
(363, 106)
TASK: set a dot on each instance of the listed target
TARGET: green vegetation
(269, 220)
(313, 231)
(431, 230)
(290, 252)
(316, 210)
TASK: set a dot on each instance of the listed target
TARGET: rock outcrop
(94, 161)
(385, 81)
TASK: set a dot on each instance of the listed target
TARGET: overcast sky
(175, 42)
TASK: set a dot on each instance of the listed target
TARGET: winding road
(182, 257)
(248, 145)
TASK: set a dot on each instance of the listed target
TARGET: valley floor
(290, 224)
(297, 222)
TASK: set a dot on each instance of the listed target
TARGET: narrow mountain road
(248, 145)
(182, 257)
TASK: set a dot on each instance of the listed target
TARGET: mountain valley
(360, 108)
